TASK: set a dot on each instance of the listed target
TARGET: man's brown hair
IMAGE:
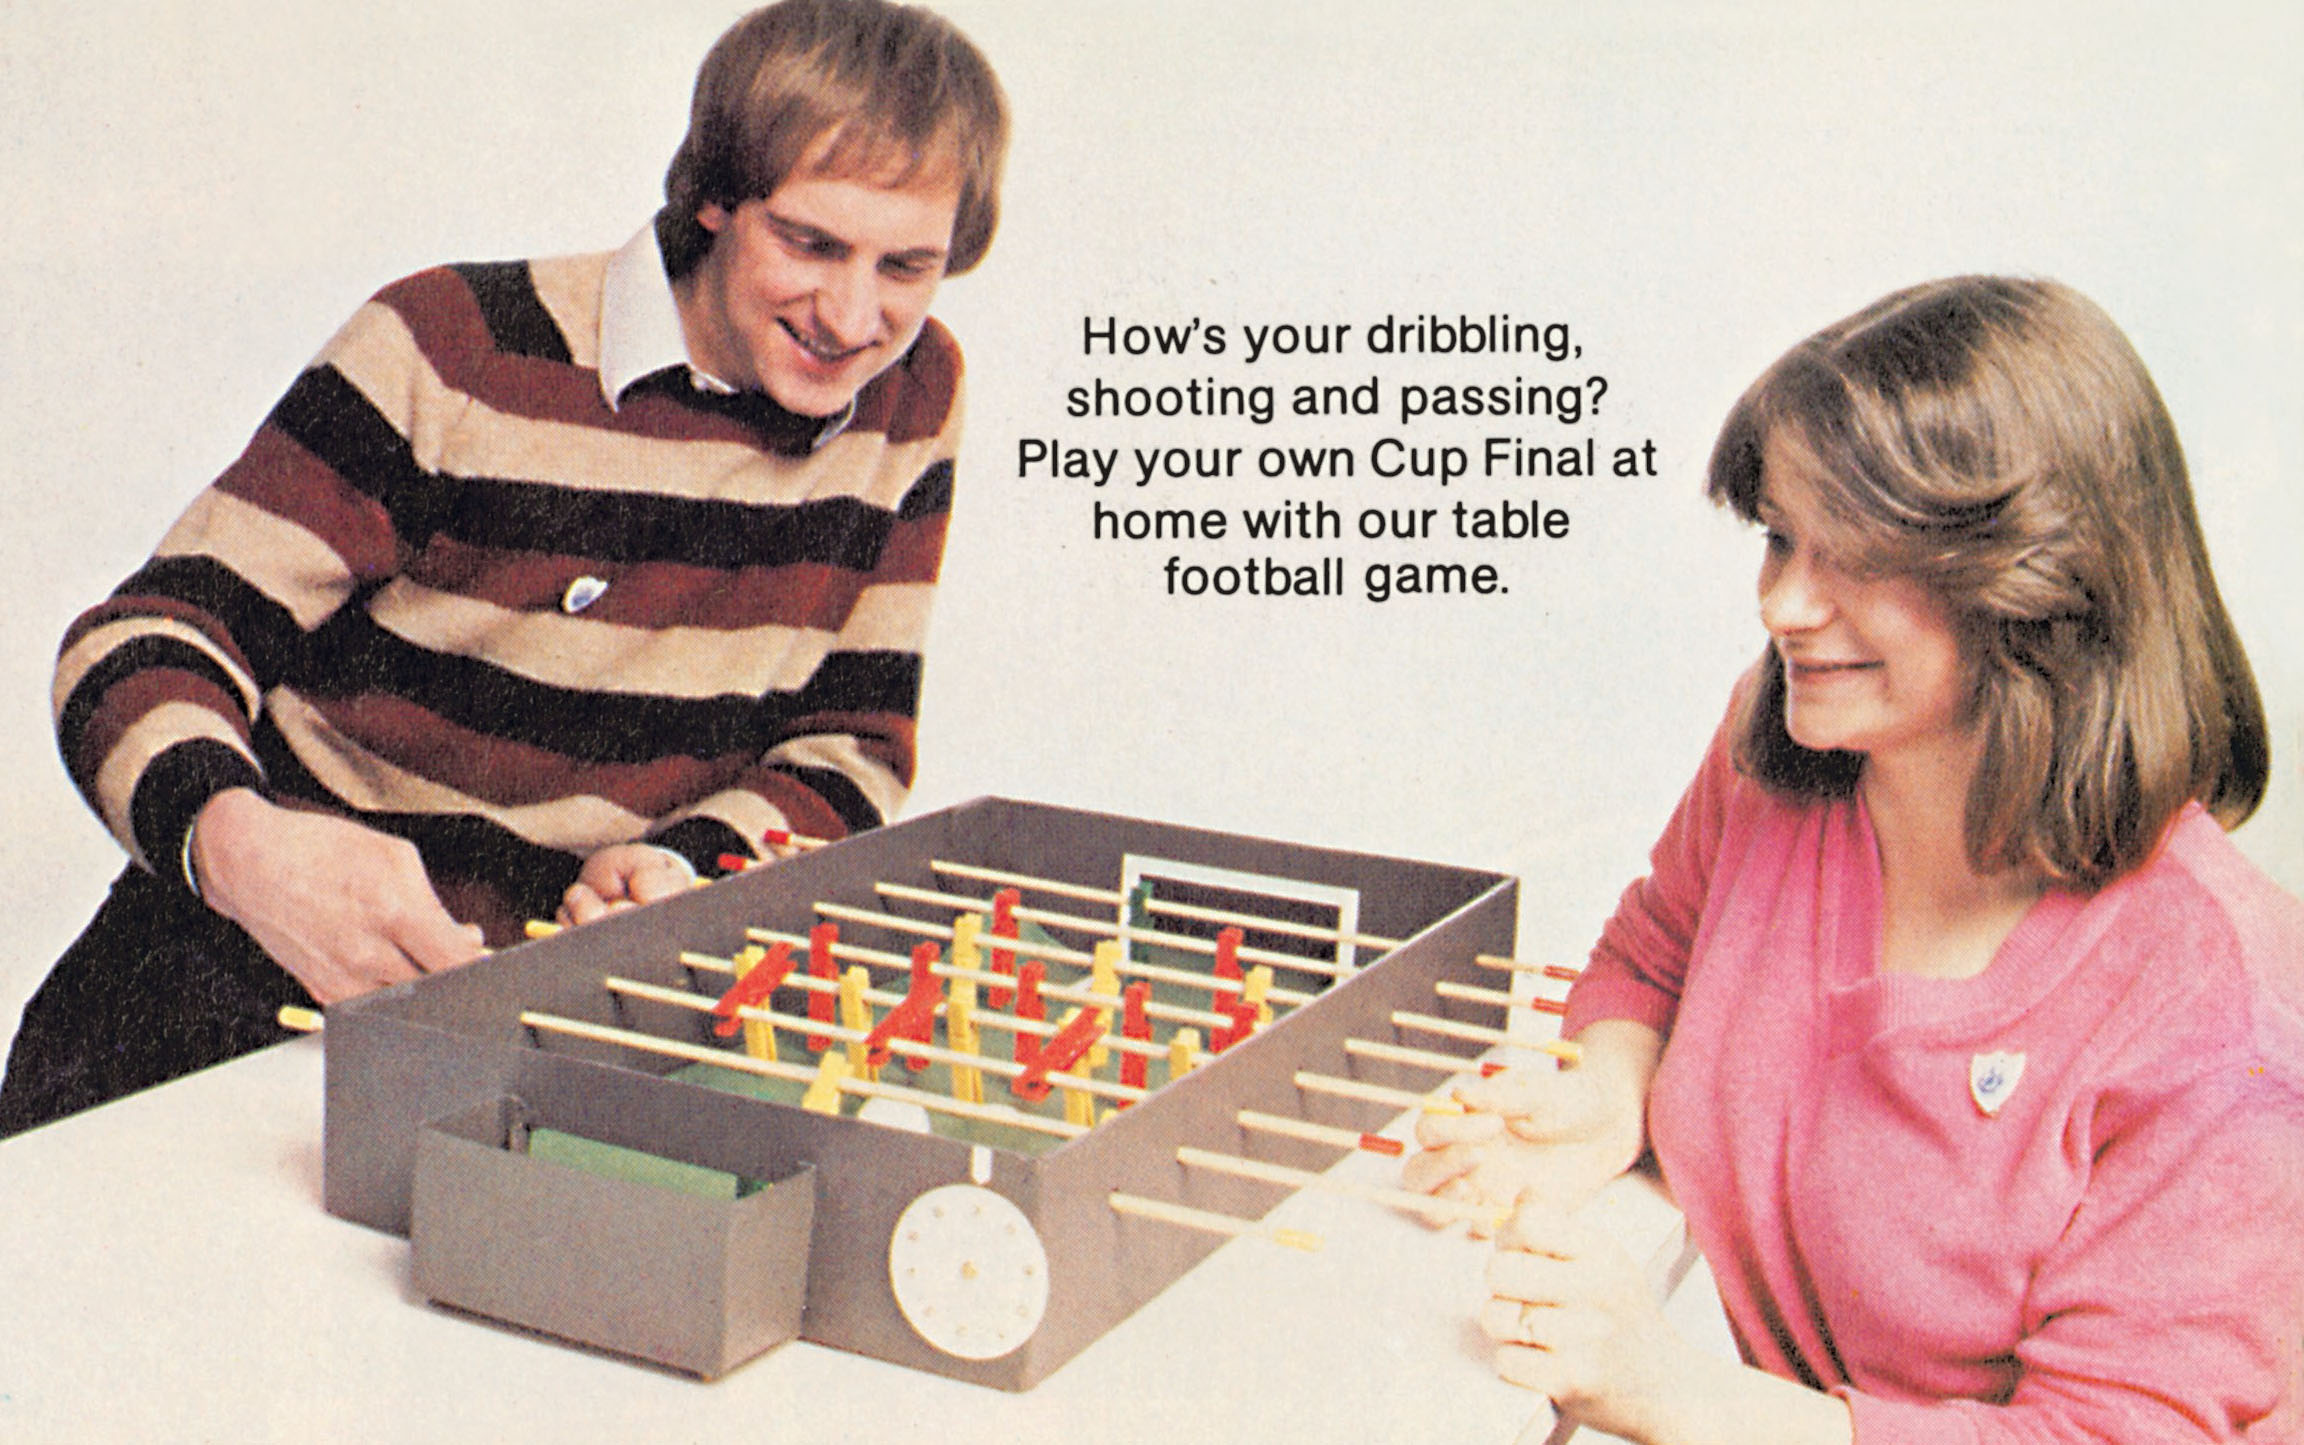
(852, 88)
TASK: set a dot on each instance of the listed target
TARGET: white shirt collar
(640, 333)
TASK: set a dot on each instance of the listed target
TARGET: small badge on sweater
(581, 593)
(1992, 1078)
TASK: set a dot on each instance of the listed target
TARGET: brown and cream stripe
(450, 591)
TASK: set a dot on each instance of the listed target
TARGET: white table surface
(167, 1273)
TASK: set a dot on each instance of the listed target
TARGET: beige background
(197, 194)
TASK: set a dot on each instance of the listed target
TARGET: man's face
(811, 292)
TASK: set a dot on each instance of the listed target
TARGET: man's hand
(343, 908)
(624, 875)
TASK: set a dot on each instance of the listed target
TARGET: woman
(1969, 1045)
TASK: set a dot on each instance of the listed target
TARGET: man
(549, 583)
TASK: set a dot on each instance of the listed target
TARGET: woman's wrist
(1619, 1062)
(1718, 1401)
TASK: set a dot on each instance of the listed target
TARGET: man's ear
(712, 216)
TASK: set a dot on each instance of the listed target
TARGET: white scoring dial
(969, 1271)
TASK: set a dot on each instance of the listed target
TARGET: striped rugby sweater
(371, 611)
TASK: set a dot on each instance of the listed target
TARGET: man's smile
(822, 348)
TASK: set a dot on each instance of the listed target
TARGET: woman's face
(1872, 663)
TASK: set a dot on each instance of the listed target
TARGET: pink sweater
(2114, 1251)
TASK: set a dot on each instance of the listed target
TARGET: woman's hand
(1552, 1134)
(624, 875)
(1575, 1318)
(344, 908)
(1556, 1134)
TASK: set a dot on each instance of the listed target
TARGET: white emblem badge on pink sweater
(1992, 1078)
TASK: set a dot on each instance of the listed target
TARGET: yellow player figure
(856, 1014)
(960, 1037)
(759, 1034)
(823, 1096)
(1104, 978)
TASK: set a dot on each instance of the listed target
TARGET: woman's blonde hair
(2000, 441)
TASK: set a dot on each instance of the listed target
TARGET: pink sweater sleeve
(2173, 1307)
(1636, 968)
